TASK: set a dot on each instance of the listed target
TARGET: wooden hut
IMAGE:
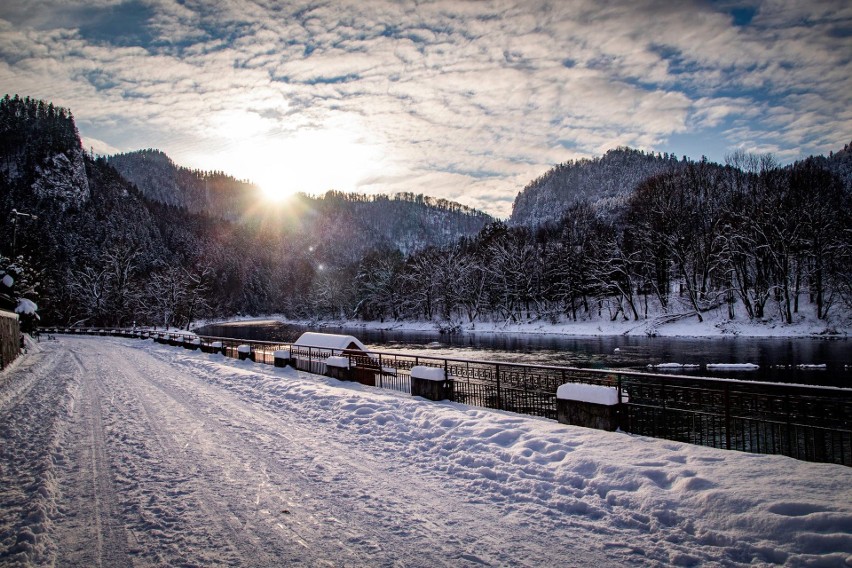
(311, 350)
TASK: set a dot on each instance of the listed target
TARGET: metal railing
(812, 423)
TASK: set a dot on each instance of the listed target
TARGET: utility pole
(15, 215)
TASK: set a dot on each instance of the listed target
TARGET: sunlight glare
(335, 153)
(312, 162)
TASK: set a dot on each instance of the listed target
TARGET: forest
(750, 239)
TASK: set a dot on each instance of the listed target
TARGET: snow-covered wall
(595, 394)
(427, 373)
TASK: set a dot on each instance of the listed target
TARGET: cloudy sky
(463, 100)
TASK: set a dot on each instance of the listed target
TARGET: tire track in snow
(380, 511)
(92, 532)
(168, 520)
(283, 488)
(210, 472)
(236, 481)
(199, 479)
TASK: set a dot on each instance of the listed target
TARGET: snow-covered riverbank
(125, 452)
(687, 326)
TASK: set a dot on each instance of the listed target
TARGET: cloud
(464, 100)
(99, 147)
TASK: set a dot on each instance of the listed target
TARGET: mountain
(358, 223)
(161, 180)
(64, 216)
(605, 182)
(172, 245)
(338, 221)
(41, 151)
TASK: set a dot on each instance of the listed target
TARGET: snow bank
(26, 306)
(595, 394)
(714, 325)
(640, 500)
(673, 366)
(732, 367)
(427, 373)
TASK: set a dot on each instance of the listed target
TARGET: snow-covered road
(119, 452)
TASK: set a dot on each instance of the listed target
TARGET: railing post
(497, 379)
(789, 427)
(727, 417)
(665, 410)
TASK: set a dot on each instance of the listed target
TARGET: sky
(468, 101)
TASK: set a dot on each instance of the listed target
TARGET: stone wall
(588, 414)
(10, 338)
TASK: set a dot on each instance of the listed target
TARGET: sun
(336, 152)
(310, 161)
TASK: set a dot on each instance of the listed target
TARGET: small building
(330, 341)
(312, 349)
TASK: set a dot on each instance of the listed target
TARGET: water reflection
(778, 358)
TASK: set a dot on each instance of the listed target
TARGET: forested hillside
(605, 182)
(351, 221)
(749, 240)
(359, 223)
(103, 252)
(159, 179)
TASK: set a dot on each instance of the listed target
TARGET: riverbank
(683, 325)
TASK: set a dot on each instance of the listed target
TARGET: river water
(789, 360)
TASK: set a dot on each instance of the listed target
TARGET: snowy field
(120, 452)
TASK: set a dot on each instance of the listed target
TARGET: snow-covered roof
(329, 341)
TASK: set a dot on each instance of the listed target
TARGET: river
(814, 361)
